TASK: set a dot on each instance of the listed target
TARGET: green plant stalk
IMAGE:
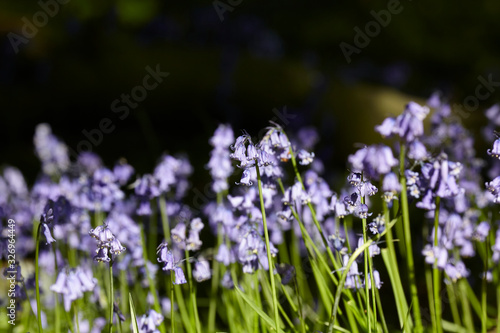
(153, 235)
(295, 258)
(453, 303)
(498, 297)
(408, 241)
(313, 212)
(192, 293)
(381, 310)
(300, 309)
(77, 321)
(484, 315)
(353, 257)
(365, 259)
(37, 280)
(215, 285)
(268, 250)
(346, 233)
(152, 289)
(397, 286)
(436, 276)
(172, 304)
(111, 297)
(430, 296)
(123, 289)
(56, 296)
(466, 310)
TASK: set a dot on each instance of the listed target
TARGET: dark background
(262, 56)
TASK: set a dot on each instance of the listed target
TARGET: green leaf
(135, 327)
(257, 309)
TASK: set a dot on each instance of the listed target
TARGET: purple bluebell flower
(338, 243)
(494, 188)
(123, 171)
(373, 161)
(107, 244)
(224, 255)
(220, 160)
(51, 151)
(417, 150)
(88, 162)
(305, 158)
(377, 226)
(201, 271)
(495, 152)
(227, 281)
(179, 235)
(408, 125)
(367, 189)
(179, 276)
(72, 284)
(376, 280)
(149, 322)
(352, 280)
(481, 232)
(245, 178)
(165, 256)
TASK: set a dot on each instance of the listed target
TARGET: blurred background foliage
(262, 56)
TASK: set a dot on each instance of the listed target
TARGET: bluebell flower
(72, 284)
(417, 150)
(390, 187)
(224, 255)
(246, 178)
(373, 161)
(107, 244)
(88, 162)
(201, 271)
(52, 152)
(179, 235)
(352, 280)
(377, 226)
(376, 280)
(338, 243)
(122, 172)
(165, 256)
(305, 158)
(149, 322)
(220, 160)
(408, 125)
(227, 281)
(179, 276)
(495, 152)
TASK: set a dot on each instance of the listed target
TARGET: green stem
(353, 257)
(268, 249)
(37, 280)
(111, 297)
(152, 289)
(215, 285)
(56, 306)
(172, 303)
(192, 292)
(484, 316)
(408, 241)
(435, 272)
(365, 259)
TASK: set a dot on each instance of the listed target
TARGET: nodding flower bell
(107, 244)
(495, 152)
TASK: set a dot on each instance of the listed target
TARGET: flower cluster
(108, 246)
(166, 257)
(73, 283)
